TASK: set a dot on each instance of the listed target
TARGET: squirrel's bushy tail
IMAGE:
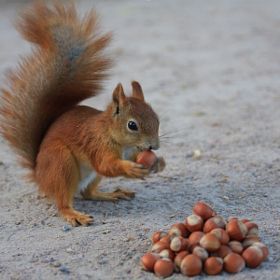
(66, 66)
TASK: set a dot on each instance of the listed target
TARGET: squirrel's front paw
(159, 165)
(135, 170)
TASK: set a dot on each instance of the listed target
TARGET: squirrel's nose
(154, 146)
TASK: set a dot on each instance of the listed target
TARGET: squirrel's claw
(124, 194)
(76, 218)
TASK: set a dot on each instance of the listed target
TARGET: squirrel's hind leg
(58, 175)
(92, 192)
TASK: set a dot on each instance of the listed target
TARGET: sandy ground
(211, 71)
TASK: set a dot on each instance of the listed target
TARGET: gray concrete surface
(211, 70)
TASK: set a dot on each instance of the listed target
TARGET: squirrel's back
(66, 66)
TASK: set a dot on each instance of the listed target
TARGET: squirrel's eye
(132, 126)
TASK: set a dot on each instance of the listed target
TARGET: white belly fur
(87, 176)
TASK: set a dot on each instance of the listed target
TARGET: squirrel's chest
(128, 153)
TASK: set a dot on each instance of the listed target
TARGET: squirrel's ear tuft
(118, 95)
(137, 91)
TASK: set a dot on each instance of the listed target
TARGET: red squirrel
(67, 147)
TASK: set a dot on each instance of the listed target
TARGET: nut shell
(200, 252)
(167, 254)
(250, 240)
(264, 249)
(213, 265)
(236, 246)
(194, 223)
(214, 222)
(231, 219)
(164, 268)
(179, 243)
(203, 210)
(210, 242)
(165, 239)
(157, 236)
(236, 230)
(233, 263)
(178, 229)
(191, 265)
(223, 251)
(221, 234)
(253, 256)
(253, 229)
(146, 158)
(250, 225)
(178, 259)
(195, 237)
(159, 246)
(148, 261)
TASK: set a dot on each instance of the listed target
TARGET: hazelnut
(200, 252)
(210, 242)
(233, 263)
(191, 265)
(157, 236)
(195, 237)
(178, 229)
(264, 249)
(178, 259)
(231, 219)
(179, 243)
(166, 239)
(223, 251)
(236, 230)
(250, 240)
(159, 246)
(214, 222)
(253, 229)
(221, 234)
(194, 223)
(213, 265)
(203, 210)
(146, 158)
(164, 268)
(253, 256)
(167, 254)
(148, 261)
(235, 246)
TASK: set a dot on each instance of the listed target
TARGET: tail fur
(66, 66)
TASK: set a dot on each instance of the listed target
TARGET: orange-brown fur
(53, 135)
(51, 80)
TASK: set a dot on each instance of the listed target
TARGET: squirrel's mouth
(141, 149)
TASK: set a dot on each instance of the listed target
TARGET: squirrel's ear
(137, 91)
(118, 95)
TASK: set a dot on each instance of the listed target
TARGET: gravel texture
(211, 71)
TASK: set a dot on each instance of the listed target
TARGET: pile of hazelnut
(205, 242)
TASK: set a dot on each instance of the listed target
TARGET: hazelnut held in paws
(67, 147)
(146, 158)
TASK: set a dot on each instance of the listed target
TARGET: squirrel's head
(134, 123)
